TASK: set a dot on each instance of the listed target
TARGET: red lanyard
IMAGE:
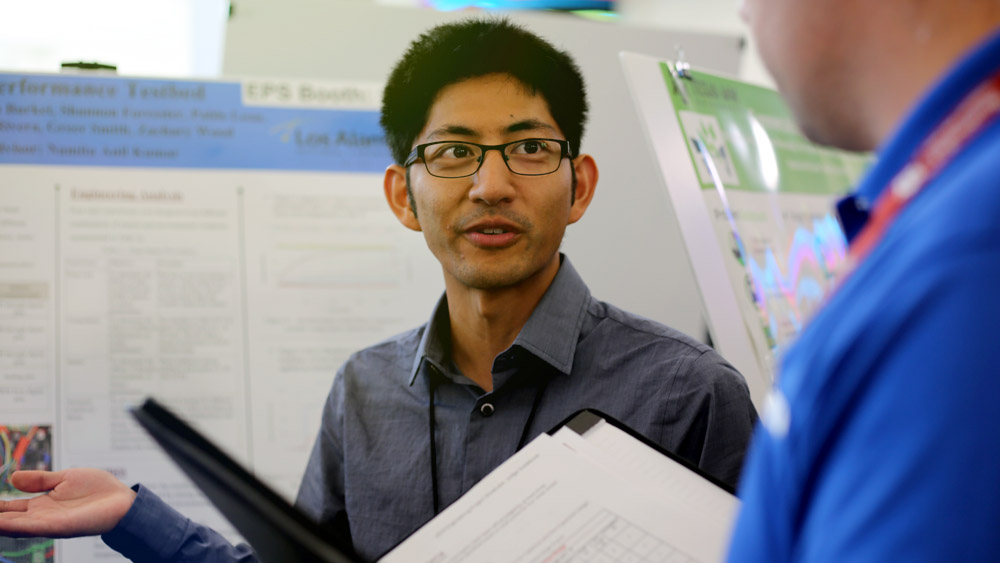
(975, 112)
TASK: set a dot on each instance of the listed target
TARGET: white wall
(185, 37)
(711, 16)
(719, 16)
(167, 38)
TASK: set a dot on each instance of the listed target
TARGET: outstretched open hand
(80, 502)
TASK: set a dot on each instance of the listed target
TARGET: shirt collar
(435, 344)
(551, 332)
(553, 329)
(923, 119)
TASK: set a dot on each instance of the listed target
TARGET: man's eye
(530, 147)
(454, 151)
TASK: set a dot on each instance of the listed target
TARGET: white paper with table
(603, 496)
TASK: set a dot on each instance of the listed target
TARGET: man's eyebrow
(529, 125)
(448, 130)
(463, 131)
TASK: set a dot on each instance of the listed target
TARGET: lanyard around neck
(973, 114)
(431, 421)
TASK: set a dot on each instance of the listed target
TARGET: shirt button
(486, 409)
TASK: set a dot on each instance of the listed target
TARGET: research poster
(221, 246)
(766, 194)
(771, 198)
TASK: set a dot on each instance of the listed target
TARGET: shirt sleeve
(322, 491)
(719, 418)
(151, 531)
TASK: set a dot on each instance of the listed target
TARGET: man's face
(493, 229)
(807, 45)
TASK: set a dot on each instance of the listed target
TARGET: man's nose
(493, 183)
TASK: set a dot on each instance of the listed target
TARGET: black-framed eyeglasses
(457, 159)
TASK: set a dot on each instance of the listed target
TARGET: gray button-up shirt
(371, 464)
(370, 471)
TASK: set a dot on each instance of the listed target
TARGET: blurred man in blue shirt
(880, 441)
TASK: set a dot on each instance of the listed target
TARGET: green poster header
(753, 140)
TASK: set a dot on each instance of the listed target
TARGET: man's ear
(398, 197)
(586, 184)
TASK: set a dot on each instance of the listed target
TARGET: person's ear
(586, 184)
(398, 197)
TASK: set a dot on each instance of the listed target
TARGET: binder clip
(680, 71)
(681, 66)
(87, 67)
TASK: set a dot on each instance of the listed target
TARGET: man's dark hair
(454, 52)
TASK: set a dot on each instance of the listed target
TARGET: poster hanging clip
(680, 71)
(88, 67)
(681, 65)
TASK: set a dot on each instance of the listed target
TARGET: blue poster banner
(114, 121)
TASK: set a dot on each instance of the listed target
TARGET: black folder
(276, 530)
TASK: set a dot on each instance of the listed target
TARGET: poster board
(198, 241)
(754, 201)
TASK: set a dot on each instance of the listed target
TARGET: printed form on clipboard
(589, 491)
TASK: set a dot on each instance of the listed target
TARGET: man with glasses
(484, 120)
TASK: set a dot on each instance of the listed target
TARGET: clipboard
(584, 420)
(277, 531)
(590, 489)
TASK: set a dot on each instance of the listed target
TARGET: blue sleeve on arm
(152, 531)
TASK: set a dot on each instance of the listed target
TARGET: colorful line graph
(788, 289)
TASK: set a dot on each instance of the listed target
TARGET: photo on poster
(24, 447)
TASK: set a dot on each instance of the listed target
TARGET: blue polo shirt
(881, 441)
